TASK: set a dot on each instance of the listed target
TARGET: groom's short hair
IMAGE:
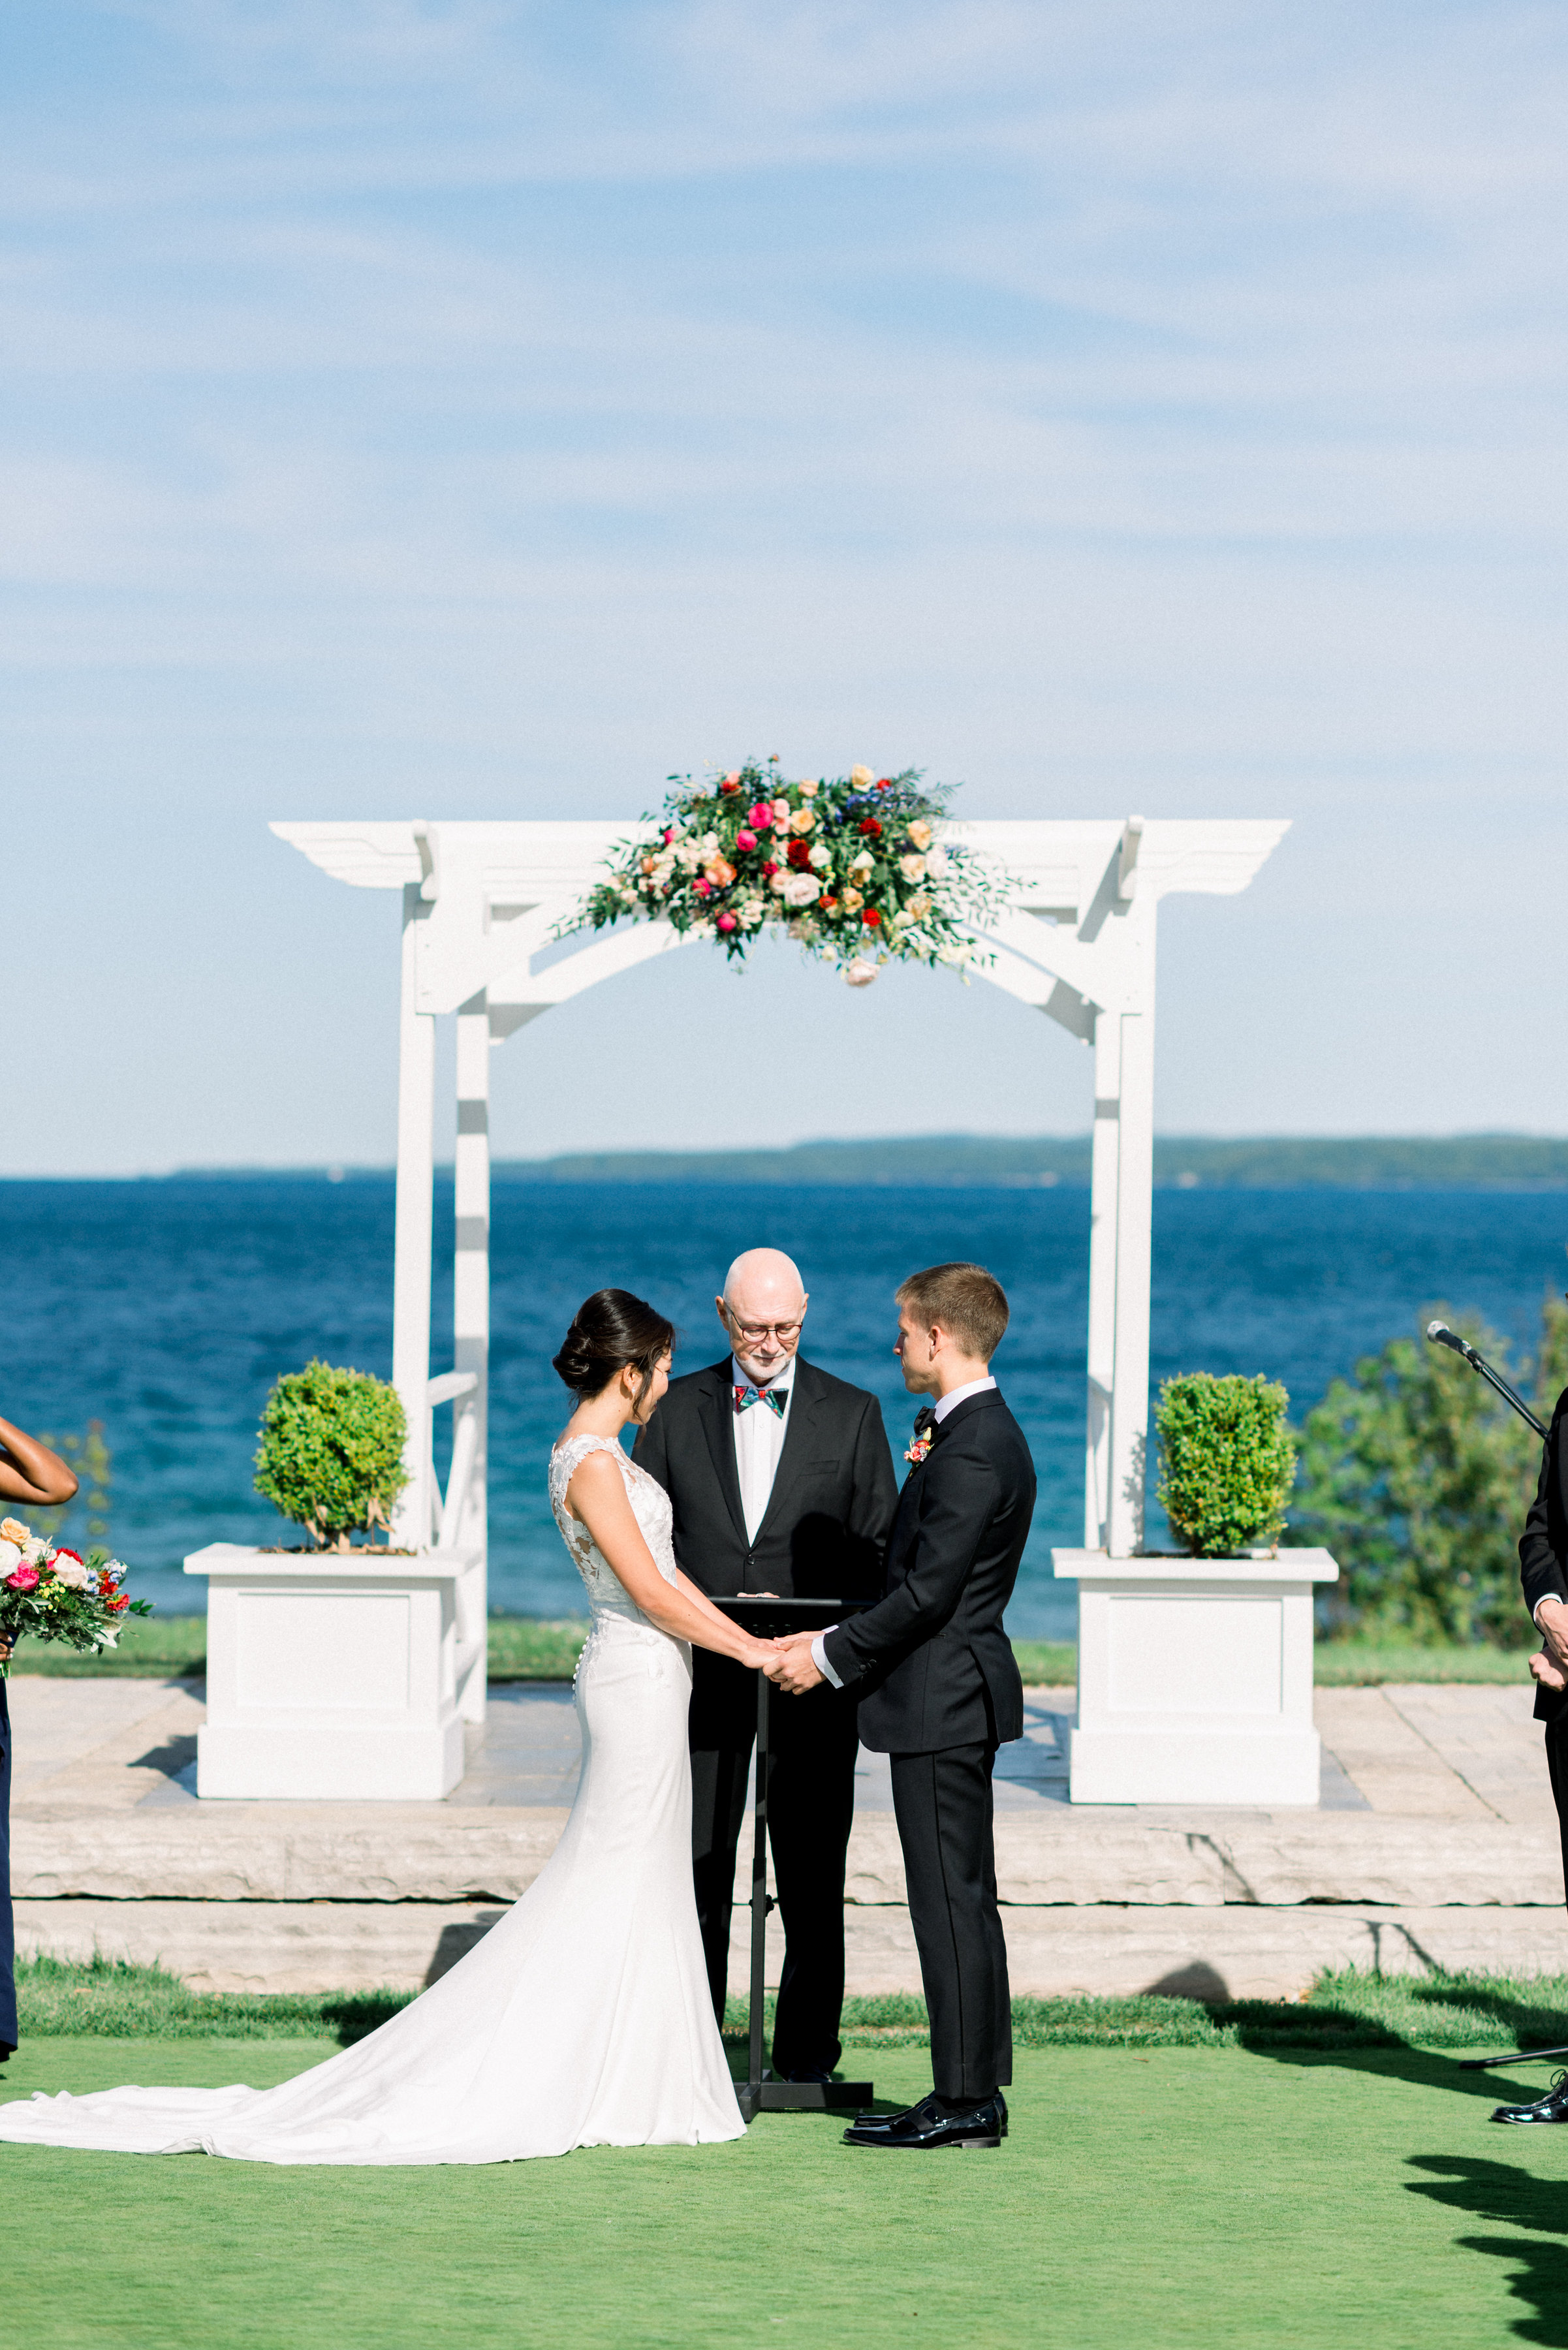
(964, 1299)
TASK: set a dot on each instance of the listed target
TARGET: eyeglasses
(754, 1332)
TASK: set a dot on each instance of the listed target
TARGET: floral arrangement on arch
(57, 1595)
(851, 865)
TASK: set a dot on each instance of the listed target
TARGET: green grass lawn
(1203, 2196)
(529, 1648)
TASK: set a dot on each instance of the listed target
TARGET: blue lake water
(166, 1308)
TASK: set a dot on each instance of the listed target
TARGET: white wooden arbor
(480, 903)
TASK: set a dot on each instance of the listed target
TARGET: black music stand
(767, 1619)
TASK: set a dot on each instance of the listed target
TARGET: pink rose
(745, 839)
(770, 867)
(703, 889)
(669, 833)
(733, 776)
(25, 1578)
(725, 922)
(760, 813)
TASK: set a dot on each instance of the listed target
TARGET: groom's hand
(796, 1671)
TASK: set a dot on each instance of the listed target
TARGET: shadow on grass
(1501, 2192)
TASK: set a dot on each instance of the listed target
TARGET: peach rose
(921, 832)
(12, 1530)
(862, 778)
(803, 820)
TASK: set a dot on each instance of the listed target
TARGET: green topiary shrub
(331, 1453)
(1227, 1461)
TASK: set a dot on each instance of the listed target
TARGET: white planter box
(332, 1676)
(1195, 1677)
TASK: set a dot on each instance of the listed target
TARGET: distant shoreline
(957, 1161)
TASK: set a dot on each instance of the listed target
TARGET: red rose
(870, 827)
(828, 905)
(798, 854)
(73, 1554)
(730, 783)
(884, 782)
(871, 917)
(770, 867)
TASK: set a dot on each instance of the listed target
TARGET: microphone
(1442, 1335)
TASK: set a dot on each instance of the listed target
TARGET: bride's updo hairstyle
(611, 1330)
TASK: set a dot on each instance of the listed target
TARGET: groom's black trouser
(811, 1801)
(944, 1811)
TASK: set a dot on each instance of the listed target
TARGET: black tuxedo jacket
(826, 1521)
(935, 1667)
(1543, 1545)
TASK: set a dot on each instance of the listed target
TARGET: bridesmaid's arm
(596, 1497)
(29, 1471)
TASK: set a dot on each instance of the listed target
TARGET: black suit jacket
(938, 1669)
(1543, 1545)
(833, 1501)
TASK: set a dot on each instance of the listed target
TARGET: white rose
(903, 918)
(780, 881)
(802, 890)
(913, 868)
(700, 930)
(72, 1576)
(688, 857)
(863, 863)
(10, 1556)
(860, 974)
(936, 861)
(709, 844)
(34, 1550)
(821, 857)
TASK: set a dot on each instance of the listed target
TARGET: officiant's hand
(794, 1668)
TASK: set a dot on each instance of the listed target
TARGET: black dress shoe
(821, 2074)
(1551, 2107)
(925, 2127)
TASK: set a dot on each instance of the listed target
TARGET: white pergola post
(471, 1335)
(412, 1243)
(481, 902)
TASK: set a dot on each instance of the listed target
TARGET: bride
(584, 2017)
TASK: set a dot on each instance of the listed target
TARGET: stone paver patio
(1436, 1842)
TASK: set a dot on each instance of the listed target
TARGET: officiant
(782, 1481)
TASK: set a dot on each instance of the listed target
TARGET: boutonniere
(918, 1450)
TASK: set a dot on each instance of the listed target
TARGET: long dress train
(582, 2019)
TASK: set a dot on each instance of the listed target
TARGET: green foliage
(1227, 1461)
(1417, 1478)
(331, 1454)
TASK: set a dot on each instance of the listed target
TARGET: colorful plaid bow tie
(775, 1397)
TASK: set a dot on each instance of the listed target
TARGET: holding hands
(792, 1665)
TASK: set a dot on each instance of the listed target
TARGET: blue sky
(484, 410)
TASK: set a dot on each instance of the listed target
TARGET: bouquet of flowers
(58, 1595)
(852, 865)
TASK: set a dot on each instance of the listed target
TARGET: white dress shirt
(759, 1443)
(950, 1402)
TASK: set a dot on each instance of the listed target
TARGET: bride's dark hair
(611, 1330)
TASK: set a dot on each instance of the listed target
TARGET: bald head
(763, 1289)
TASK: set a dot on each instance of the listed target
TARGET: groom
(782, 1481)
(940, 1691)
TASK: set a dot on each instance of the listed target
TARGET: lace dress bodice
(607, 1596)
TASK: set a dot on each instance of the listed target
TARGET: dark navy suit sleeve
(1543, 1545)
(959, 1491)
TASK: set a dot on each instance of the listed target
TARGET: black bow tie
(925, 1420)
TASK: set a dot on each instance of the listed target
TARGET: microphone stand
(1442, 1335)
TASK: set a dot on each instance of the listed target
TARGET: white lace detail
(607, 1596)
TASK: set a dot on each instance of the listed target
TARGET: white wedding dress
(583, 2018)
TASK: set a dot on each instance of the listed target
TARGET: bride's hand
(762, 1654)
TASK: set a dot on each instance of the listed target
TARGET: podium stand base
(802, 2096)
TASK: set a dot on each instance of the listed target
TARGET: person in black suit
(29, 1474)
(782, 1481)
(940, 1690)
(1544, 1576)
